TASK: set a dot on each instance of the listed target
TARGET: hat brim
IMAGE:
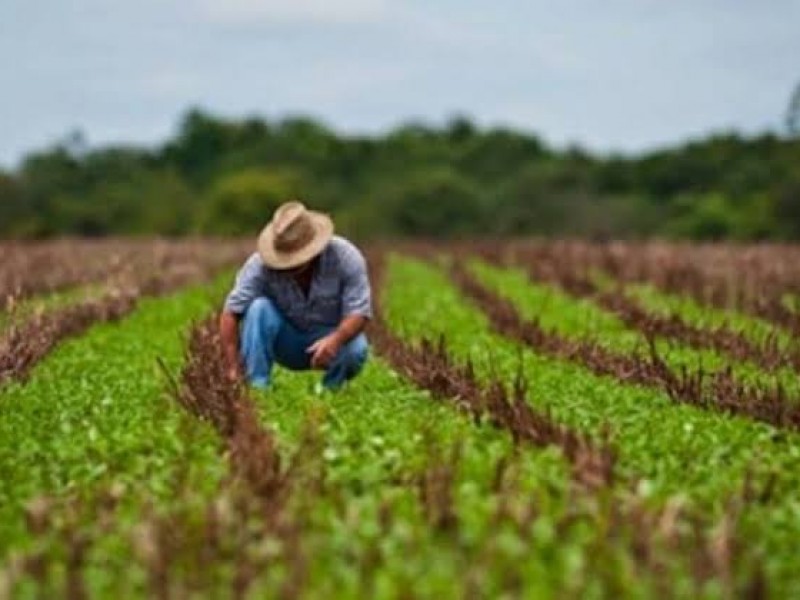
(323, 232)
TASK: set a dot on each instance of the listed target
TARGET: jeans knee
(356, 352)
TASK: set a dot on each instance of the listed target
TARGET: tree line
(224, 177)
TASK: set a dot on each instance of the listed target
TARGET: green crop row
(363, 526)
(792, 302)
(379, 435)
(29, 307)
(581, 318)
(96, 408)
(671, 449)
(94, 413)
(755, 329)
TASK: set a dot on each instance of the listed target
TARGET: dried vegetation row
(570, 267)
(258, 533)
(196, 545)
(30, 268)
(653, 536)
(768, 354)
(25, 343)
(429, 366)
(753, 279)
(719, 390)
(207, 393)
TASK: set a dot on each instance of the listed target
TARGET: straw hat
(294, 236)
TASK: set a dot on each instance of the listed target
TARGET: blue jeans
(267, 337)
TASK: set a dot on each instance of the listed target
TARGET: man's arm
(356, 308)
(229, 335)
(350, 327)
(324, 350)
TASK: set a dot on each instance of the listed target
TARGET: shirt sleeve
(248, 286)
(356, 293)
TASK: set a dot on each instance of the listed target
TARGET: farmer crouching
(302, 301)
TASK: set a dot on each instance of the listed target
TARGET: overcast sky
(612, 75)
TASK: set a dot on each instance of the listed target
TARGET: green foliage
(503, 181)
(558, 311)
(531, 201)
(787, 208)
(669, 448)
(243, 202)
(714, 216)
(705, 217)
(437, 203)
(94, 413)
(13, 215)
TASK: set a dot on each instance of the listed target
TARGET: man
(302, 301)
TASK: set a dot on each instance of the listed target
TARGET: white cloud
(281, 12)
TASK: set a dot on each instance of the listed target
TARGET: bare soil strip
(251, 506)
(207, 393)
(22, 346)
(768, 354)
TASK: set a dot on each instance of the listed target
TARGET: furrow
(754, 279)
(429, 366)
(719, 390)
(767, 352)
(24, 344)
(33, 268)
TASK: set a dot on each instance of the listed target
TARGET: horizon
(627, 77)
(378, 133)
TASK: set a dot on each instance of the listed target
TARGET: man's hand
(324, 350)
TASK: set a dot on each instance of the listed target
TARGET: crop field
(536, 420)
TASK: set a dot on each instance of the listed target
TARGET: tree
(201, 141)
(704, 217)
(438, 203)
(497, 153)
(787, 209)
(12, 207)
(226, 176)
(530, 202)
(241, 203)
(305, 141)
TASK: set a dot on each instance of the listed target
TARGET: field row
(31, 268)
(467, 460)
(27, 336)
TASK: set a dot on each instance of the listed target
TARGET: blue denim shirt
(339, 288)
